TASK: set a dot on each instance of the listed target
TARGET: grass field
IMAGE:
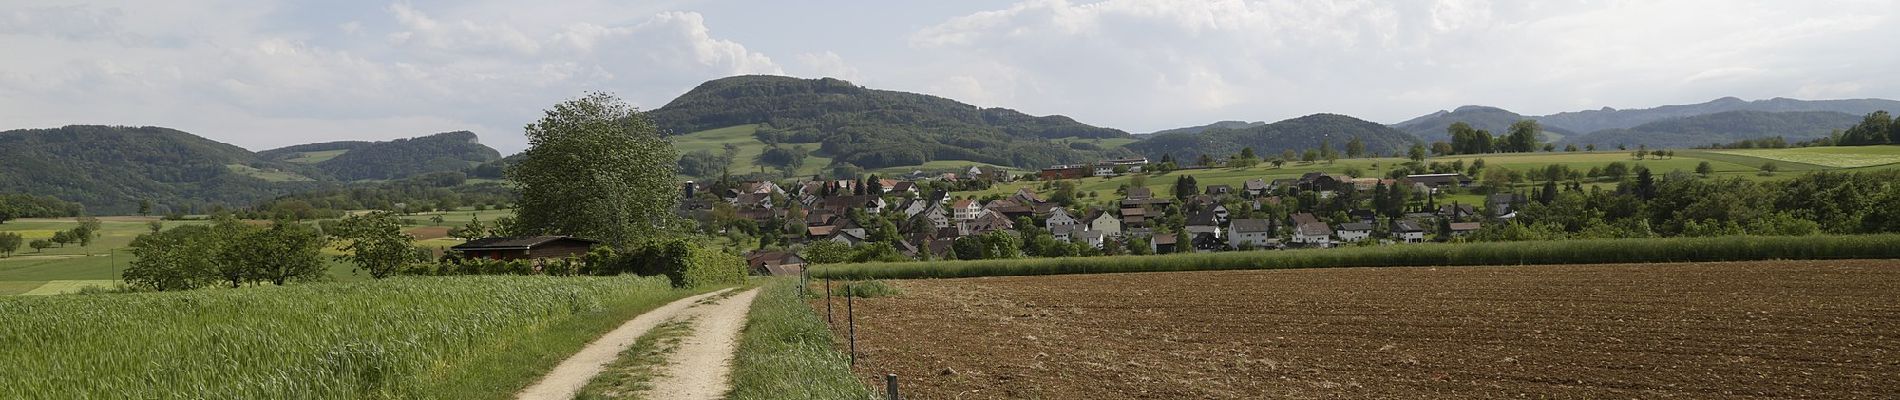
(786, 352)
(714, 140)
(437, 337)
(313, 157)
(1731, 248)
(268, 175)
(108, 256)
(1764, 329)
(1103, 143)
(1836, 157)
(942, 165)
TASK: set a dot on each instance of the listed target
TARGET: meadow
(714, 140)
(1732, 248)
(440, 337)
(60, 270)
(1836, 157)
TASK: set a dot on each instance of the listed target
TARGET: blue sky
(267, 73)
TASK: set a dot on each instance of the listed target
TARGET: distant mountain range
(1269, 140)
(1721, 120)
(110, 169)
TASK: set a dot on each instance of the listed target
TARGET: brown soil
(1781, 329)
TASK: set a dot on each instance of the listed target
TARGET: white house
(1203, 223)
(1408, 232)
(1354, 231)
(1092, 238)
(1106, 223)
(965, 210)
(1058, 216)
(1254, 233)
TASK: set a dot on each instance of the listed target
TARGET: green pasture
(268, 175)
(1835, 157)
(313, 157)
(714, 140)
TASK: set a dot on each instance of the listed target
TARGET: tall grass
(458, 337)
(1737, 248)
(785, 352)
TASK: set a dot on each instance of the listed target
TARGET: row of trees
(1876, 128)
(233, 253)
(1522, 138)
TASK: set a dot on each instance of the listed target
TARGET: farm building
(1435, 181)
(1465, 228)
(776, 263)
(525, 247)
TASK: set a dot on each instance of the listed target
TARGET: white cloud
(828, 64)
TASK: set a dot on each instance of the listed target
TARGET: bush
(1593, 251)
(687, 264)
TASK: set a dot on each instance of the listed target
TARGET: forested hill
(1725, 127)
(879, 128)
(110, 169)
(1432, 127)
(396, 159)
(1609, 118)
(1298, 134)
(1216, 125)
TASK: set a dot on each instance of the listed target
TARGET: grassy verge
(459, 337)
(1739, 248)
(633, 372)
(786, 353)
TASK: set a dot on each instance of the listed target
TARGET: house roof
(1304, 218)
(1255, 184)
(1137, 193)
(1134, 211)
(1315, 229)
(1355, 226)
(1163, 239)
(1203, 218)
(965, 203)
(1217, 189)
(1251, 225)
(1466, 226)
(514, 242)
(1407, 226)
(825, 230)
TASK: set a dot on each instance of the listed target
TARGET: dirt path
(568, 377)
(699, 369)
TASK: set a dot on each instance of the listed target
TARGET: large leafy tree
(376, 244)
(287, 251)
(597, 168)
(177, 259)
(1523, 137)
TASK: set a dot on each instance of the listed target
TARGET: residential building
(1058, 216)
(1252, 233)
(1406, 231)
(1462, 229)
(1352, 232)
(965, 210)
(1104, 222)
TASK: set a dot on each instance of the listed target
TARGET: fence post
(890, 385)
(851, 319)
(828, 320)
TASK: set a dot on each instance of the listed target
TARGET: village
(919, 219)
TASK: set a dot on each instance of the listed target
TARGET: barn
(525, 247)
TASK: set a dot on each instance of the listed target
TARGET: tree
(1570, 148)
(474, 229)
(181, 258)
(39, 245)
(1310, 156)
(1277, 162)
(376, 244)
(9, 243)
(1705, 169)
(1185, 186)
(83, 235)
(1206, 160)
(595, 168)
(1355, 148)
(1417, 153)
(61, 238)
(286, 252)
(155, 226)
(145, 207)
(1616, 171)
(1441, 148)
(1326, 149)
(1247, 153)
(1769, 168)
(827, 252)
(1522, 137)
(1289, 155)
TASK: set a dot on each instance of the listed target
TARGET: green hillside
(110, 169)
(1724, 127)
(714, 141)
(878, 128)
(1432, 127)
(1298, 134)
(395, 159)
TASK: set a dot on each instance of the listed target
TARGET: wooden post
(890, 386)
(851, 319)
(828, 320)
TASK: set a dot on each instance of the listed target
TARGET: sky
(269, 73)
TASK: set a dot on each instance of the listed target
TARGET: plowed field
(1781, 329)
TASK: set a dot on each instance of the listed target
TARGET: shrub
(1682, 249)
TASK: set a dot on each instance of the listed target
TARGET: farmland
(1770, 329)
(714, 140)
(445, 337)
(67, 269)
(1837, 157)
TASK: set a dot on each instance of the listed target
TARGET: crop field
(1837, 157)
(313, 157)
(439, 337)
(1767, 329)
